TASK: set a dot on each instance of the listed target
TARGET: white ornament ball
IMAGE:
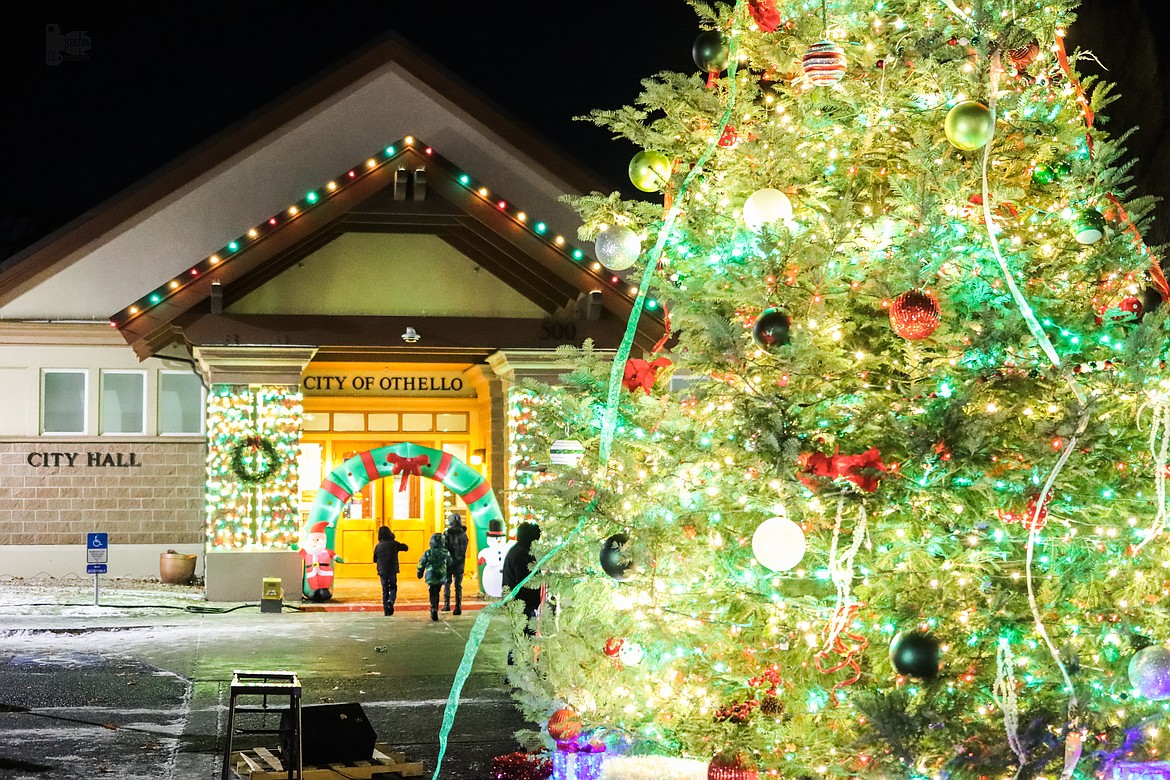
(631, 653)
(1149, 672)
(763, 207)
(618, 247)
(778, 544)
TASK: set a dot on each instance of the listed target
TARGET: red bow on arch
(641, 374)
(406, 467)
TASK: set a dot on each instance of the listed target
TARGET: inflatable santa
(318, 560)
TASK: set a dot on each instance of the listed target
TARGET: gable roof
(149, 232)
(404, 187)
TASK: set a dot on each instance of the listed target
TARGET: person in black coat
(456, 545)
(386, 558)
(517, 563)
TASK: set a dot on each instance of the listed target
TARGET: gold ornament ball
(969, 125)
(649, 171)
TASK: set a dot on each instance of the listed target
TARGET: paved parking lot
(98, 692)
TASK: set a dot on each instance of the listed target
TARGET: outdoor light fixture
(477, 457)
(411, 335)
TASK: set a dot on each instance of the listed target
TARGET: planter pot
(176, 568)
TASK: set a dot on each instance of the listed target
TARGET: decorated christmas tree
(891, 502)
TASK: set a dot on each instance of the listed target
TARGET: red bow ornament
(1030, 519)
(864, 470)
(641, 374)
(764, 14)
(406, 467)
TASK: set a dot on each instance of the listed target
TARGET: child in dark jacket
(435, 563)
(456, 537)
(386, 558)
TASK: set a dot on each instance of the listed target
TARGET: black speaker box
(334, 734)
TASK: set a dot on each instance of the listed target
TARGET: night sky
(159, 78)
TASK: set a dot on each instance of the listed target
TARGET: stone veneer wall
(157, 502)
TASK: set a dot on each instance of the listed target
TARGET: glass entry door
(357, 527)
(410, 513)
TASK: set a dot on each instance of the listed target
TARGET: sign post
(97, 556)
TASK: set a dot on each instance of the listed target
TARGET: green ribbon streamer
(609, 421)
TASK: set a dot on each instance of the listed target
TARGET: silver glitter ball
(618, 247)
(1149, 672)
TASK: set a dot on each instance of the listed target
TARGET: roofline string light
(319, 195)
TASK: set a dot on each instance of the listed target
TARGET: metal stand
(265, 684)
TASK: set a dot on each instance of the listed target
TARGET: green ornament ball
(1043, 174)
(1088, 227)
(969, 125)
(772, 329)
(1062, 169)
(649, 171)
(915, 654)
(711, 51)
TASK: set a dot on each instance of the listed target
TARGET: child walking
(435, 563)
(456, 537)
(386, 557)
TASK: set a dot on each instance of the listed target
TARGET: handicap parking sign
(97, 552)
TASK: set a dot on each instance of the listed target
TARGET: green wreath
(242, 471)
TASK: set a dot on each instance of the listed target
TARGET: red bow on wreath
(858, 469)
(406, 467)
(764, 14)
(641, 374)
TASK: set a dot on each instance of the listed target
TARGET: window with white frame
(180, 403)
(122, 400)
(63, 393)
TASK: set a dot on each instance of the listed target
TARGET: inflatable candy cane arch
(400, 460)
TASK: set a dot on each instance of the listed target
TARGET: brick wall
(159, 500)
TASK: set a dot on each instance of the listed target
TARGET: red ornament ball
(1132, 306)
(564, 725)
(732, 766)
(915, 314)
(823, 64)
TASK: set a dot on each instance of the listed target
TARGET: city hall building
(368, 266)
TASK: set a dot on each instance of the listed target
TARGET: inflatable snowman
(491, 558)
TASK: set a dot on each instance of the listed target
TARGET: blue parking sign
(97, 541)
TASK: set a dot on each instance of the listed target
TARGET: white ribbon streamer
(1004, 694)
(1022, 304)
(1160, 450)
(841, 572)
(958, 12)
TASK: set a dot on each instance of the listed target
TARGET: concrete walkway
(365, 595)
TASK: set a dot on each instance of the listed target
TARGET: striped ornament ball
(824, 64)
